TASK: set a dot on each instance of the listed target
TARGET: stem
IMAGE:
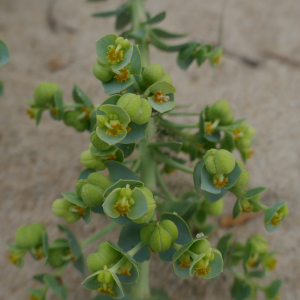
(173, 163)
(182, 114)
(98, 234)
(141, 289)
(258, 204)
(163, 186)
(135, 249)
(177, 125)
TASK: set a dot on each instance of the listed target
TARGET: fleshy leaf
(271, 211)
(97, 152)
(237, 209)
(214, 197)
(113, 86)
(87, 217)
(197, 175)
(118, 171)
(74, 244)
(136, 64)
(136, 133)
(73, 198)
(4, 54)
(102, 44)
(85, 173)
(253, 192)
(224, 244)
(127, 149)
(207, 182)
(233, 176)
(80, 97)
(122, 183)
(56, 286)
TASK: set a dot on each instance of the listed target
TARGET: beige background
(37, 163)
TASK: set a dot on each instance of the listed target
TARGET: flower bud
(242, 181)
(152, 73)
(97, 142)
(103, 73)
(91, 161)
(28, 236)
(151, 207)
(80, 183)
(159, 236)
(259, 243)
(106, 256)
(92, 195)
(55, 257)
(214, 208)
(61, 207)
(219, 111)
(138, 109)
(283, 211)
(166, 77)
(71, 119)
(44, 93)
(200, 246)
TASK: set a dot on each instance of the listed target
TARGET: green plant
(152, 219)
(4, 59)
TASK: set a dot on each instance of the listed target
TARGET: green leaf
(214, 197)
(216, 265)
(93, 120)
(112, 149)
(273, 289)
(167, 35)
(247, 255)
(80, 97)
(197, 175)
(175, 146)
(201, 216)
(237, 209)
(214, 137)
(1, 88)
(161, 86)
(136, 133)
(39, 277)
(163, 106)
(127, 149)
(253, 192)
(113, 86)
(118, 171)
(102, 44)
(73, 198)
(59, 104)
(156, 19)
(136, 62)
(129, 237)
(13, 247)
(207, 228)
(227, 142)
(123, 19)
(80, 265)
(224, 244)
(107, 14)
(38, 116)
(98, 209)
(240, 290)
(121, 184)
(257, 274)
(233, 176)
(207, 182)
(118, 110)
(232, 126)
(269, 213)
(87, 217)
(4, 53)
(200, 56)
(122, 220)
(185, 63)
(182, 273)
(85, 173)
(186, 52)
(125, 61)
(56, 286)
(74, 244)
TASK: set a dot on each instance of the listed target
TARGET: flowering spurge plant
(132, 121)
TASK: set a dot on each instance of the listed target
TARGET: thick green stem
(141, 289)
(98, 234)
(163, 186)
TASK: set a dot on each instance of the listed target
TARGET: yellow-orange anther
(272, 264)
(115, 130)
(114, 56)
(219, 184)
(106, 292)
(124, 75)
(122, 209)
(202, 271)
(208, 129)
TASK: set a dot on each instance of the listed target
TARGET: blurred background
(259, 74)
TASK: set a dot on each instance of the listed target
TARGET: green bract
(28, 236)
(242, 181)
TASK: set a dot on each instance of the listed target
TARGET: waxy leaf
(121, 184)
(233, 176)
(73, 198)
(207, 182)
(80, 97)
(214, 197)
(197, 175)
(269, 214)
(56, 285)
(253, 192)
(118, 171)
(237, 209)
(113, 86)
(136, 133)
(4, 53)
(163, 106)
(224, 244)
(74, 244)
(85, 173)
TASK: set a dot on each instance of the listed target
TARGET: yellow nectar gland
(276, 220)
(111, 156)
(122, 209)
(106, 292)
(246, 208)
(128, 128)
(87, 111)
(34, 297)
(114, 56)
(272, 264)
(38, 255)
(237, 134)
(159, 97)
(252, 262)
(14, 258)
(115, 130)
(80, 210)
(30, 113)
(73, 258)
(217, 59)
(54, 111)
(125, 272)
(185, 264)
(208, 129)
(124, 75)
(249, 154)
(219, 184)
(152, 250)
(202, 271)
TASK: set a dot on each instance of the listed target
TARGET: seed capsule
(44, 93)
(92, 195)
(152, 73)
(97, 142)
(103, 73)
(91, 161)
(28, 236)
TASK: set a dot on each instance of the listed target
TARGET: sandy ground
(37, 163)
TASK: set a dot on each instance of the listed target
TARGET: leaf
(253, 192)
(127, 54)
(273, 288)
(186, 52)
(269, 213)
(161, 86)
(246, 255)
(123, 19)
(207, 182)
(240, 290)
(167, 35)
(175, 146)
(136, 133)
(227, 142)
(56, 286)
(4, 53)
(39, 277)
(118, 171)
(127, 149)
(109, 139)
(224, 244)
(214, 137)
(98, 209)
(233, 176)
(102, 44)
(74, 244)
(59, 104)
(122, 183)
(185, 63)
(136, 62)
(129, 237)
(214, 197)
(237, 209)
(80, 97)
(79, 264)
(113, 86)
(107, 14)
(156, 19)
(73, 198)
(257, 274)
(85, 173)
(197, 175)
(38, 116)
(87, 217)
(97, 152)
(200, 56)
